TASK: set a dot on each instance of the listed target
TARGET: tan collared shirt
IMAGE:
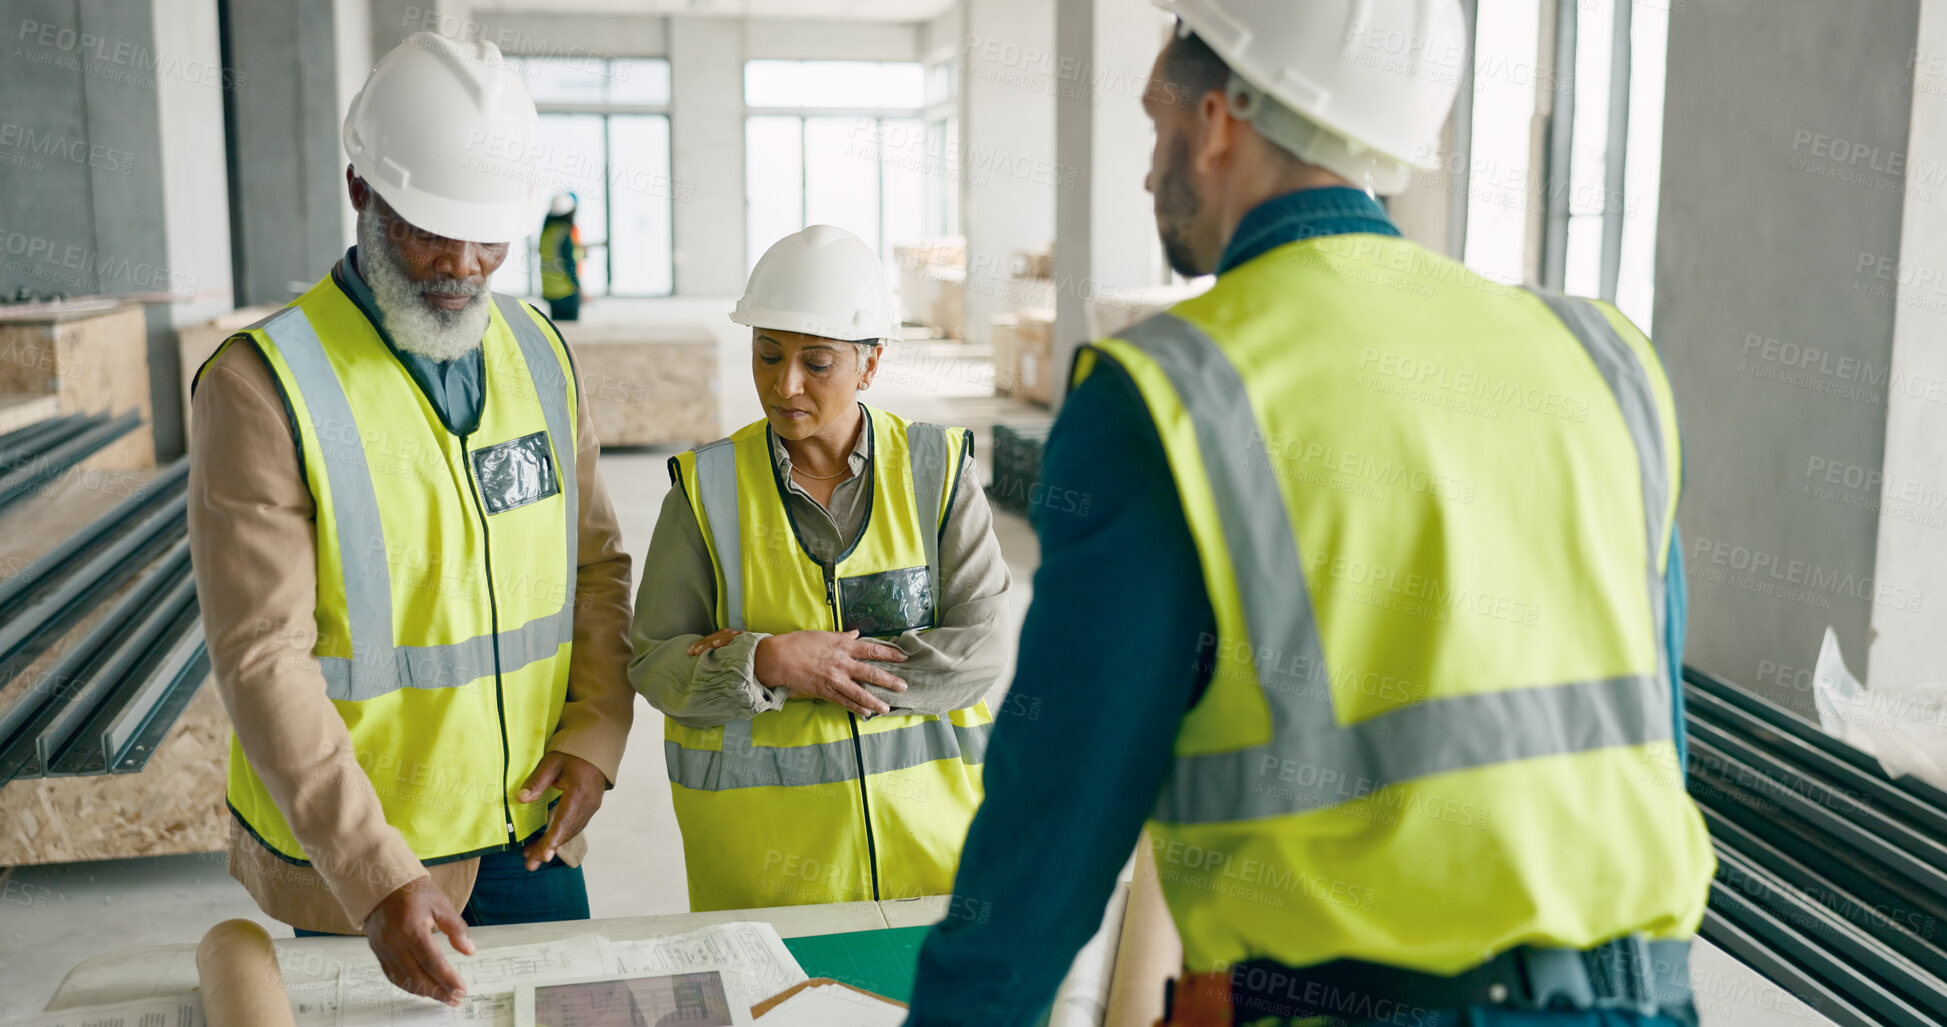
(251, 537)
(951, 667)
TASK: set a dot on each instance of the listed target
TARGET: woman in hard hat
(820, 611)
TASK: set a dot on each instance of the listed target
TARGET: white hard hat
(446, 133)
(563, 203)
(1364, 86)
(822, 281)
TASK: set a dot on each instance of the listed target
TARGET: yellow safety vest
(558, 277)
(1433, 515)
(446, 571)
(809, 803)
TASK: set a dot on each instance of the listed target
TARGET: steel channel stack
(1832, 875)
(1017, 464)
(103, 704)
(36, 454)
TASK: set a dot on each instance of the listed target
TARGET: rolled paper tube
(242, 986)
(1149, 953)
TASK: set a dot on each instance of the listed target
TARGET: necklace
(795, 469)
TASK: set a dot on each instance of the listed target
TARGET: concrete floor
(53, 917)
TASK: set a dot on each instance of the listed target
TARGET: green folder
(881, 961)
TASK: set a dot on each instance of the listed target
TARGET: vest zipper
(858, 747)
(493, 614)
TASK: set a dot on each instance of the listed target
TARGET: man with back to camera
(1392, 653)
(413, 584)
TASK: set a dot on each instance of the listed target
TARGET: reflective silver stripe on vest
(740, 764)
(1630, 384)
(927, 444)
(1311, 761)
(455, 664)
(354, 507)
(551, 385)
(716, 488)
(377, 667)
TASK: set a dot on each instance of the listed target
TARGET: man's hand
(828, 665)
(401, 933)
(581, 784)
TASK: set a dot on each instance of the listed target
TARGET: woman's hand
(829, 665)
(715, 640)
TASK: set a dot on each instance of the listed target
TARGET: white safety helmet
(822, 281)
(563, 203)
(446, 133)
(1361, 88)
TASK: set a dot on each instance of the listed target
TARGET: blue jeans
(506, 893)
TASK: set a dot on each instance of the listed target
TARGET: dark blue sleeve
(1674, 610)
(1108, 665)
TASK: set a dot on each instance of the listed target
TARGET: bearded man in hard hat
(1379, 575)
(412, 581)
(820, 613)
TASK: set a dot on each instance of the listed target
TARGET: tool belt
(1631, 974)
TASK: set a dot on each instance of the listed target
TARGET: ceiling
(847, 10)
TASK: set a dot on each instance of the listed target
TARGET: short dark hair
(1193, 67)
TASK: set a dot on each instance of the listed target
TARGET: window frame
(922, 114)
(1558, 32)
(605, 110)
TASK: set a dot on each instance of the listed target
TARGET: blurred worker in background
(820, 613)
(414, 587)
(561, 256)
(1379, 576)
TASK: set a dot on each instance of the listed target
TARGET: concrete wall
(195, 207)
(1912, 552)
(289, 203)
(1759, 255)
(1106, 222)
(111, 165)
(706, 131)
(1008, 171)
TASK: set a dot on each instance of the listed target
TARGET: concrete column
(1008, 171)
(1106, 221)
(1912, 545)
(1778, 204)
(195, 210)
(111, 163)
(706, 133)
(289, 195)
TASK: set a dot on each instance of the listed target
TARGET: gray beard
(416, 326)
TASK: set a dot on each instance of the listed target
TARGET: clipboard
(778, 999)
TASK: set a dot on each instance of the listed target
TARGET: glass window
(563, 79)
(855, 85)
(1501, 184)
(617, 167)
(841, 175)
(1649, 36)
(640, 193)
(876, 170)
(595, 81)
(941, 178)
(639, 81)
(1587, 88)
(774, 181)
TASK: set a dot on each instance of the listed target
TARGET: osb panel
(174, 806)
(195, 343)
(91, 363)
(650, 392)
